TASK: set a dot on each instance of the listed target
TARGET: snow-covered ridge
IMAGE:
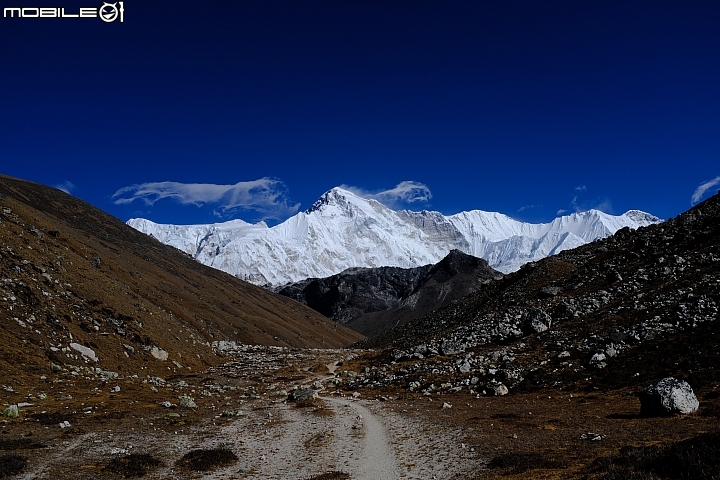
(342, 230)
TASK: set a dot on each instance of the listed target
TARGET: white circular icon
(109, 12)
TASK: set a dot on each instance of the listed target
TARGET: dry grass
(20, 444)
(520, 462)
(135, 465)
(324, 411)
(331, 476)
(697, 458)
(319, 440)
(534, 435)
(202, 460)
(11, 465)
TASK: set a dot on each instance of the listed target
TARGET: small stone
(55, 367)
(159, 353)
(598, 360)
(446, 405)
(465, 367)
(233, 413)
(302, 395)
(11, 411)
(187, 402)
(595, 437)
(497, 388)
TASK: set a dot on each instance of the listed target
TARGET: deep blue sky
(522, 107)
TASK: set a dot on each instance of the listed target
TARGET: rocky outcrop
(372, 300)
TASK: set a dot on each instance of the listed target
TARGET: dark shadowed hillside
(619, 312)
(374, 300)
(79, 287)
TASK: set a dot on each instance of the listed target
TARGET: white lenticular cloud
(267, 196)
(67, 186)
(403, 193)
(700, 191)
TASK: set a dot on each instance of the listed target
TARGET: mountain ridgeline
(342, 230)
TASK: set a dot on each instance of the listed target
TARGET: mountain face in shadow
(373, 300)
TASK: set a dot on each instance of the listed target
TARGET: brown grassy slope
(72, 273)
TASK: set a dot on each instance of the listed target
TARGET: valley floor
(240, 409)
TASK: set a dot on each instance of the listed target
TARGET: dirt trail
(377, 459)
(243, 407)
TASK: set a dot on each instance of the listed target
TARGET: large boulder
(668, 396)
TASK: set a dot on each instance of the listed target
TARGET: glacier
(342, 230)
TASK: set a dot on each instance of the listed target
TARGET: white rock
(159, 353)
(11, 411)
(85, 351)
(668, 396)
(187, 402)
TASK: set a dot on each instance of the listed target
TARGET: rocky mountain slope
(618, 312)
(373, 300)
(342, 230)
(80, 289)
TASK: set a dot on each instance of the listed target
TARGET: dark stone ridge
(372, 300)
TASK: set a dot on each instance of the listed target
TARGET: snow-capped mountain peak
(343, 230)
(342, 199)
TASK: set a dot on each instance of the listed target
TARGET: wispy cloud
(266, 196)
(404, 193)
(67, 186)
(700, 191)
(578, 204)
(528, 207)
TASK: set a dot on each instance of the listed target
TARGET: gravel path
(377, 458)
